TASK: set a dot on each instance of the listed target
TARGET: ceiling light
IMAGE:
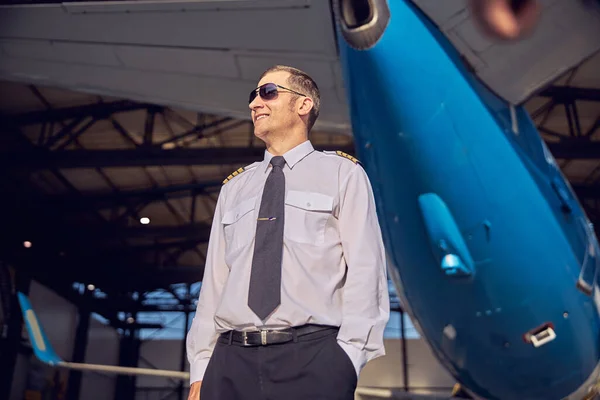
(27, 244)
(91, 287)
(145, 220)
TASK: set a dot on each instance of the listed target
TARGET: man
(294, 297)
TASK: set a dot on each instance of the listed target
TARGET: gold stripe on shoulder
(234, 174)
(348, 156)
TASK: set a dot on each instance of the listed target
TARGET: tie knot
(278, 161)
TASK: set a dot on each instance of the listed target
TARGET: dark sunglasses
(269, 91)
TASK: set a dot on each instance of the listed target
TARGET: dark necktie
(265, 278)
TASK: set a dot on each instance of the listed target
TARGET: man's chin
(260, 132)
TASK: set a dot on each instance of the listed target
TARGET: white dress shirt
(333, 268)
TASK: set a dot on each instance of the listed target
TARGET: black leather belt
(272, 336)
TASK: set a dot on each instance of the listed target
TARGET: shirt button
(308, 204)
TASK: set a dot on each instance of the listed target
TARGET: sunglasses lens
(268, 91)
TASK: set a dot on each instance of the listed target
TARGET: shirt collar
(293, 156)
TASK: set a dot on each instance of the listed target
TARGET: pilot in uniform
(294, 299)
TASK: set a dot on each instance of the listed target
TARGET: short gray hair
(303, 83)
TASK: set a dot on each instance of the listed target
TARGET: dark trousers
(314, 367)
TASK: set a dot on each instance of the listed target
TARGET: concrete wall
(102, 348)
(161, 354)
(57, 316)
(425, 374)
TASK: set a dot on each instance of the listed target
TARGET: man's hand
(195, 391)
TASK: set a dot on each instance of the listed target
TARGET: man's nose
(256, 103)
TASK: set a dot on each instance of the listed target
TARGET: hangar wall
(425, 374)
(162, 354)
(103, 348)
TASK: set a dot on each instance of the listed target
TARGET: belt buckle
(245, 338)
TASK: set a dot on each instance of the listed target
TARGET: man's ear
(305, 106)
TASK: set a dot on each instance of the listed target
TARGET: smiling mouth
(260, 117)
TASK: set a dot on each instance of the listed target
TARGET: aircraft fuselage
(496, 258)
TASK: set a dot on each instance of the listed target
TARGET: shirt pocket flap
(309, 201)
(238, 211)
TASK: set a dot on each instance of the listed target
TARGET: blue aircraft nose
(488, 251)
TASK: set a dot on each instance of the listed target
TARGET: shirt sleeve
(366, 306)
(202, 335)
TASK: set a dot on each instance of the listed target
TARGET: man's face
(278, 114)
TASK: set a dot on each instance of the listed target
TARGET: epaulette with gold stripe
(233, 174)
(240, 170)
(345, 155)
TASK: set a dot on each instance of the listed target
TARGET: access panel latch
(541, 335)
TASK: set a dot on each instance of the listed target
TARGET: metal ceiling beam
(137, 278)
(111, 305)
(587, 191)
(104, 244)
(119, 306)
(80, 254)
(575, 149)
(154, 247)
(198, 130)
(192, 231)
(118, 324)
(105, 271)
(64, 253)
(565, 94)
(142, 157)
(96, 110)
(102, 200)
(146, 277)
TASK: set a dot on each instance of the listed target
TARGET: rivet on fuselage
(488, 312)
(478, 313)
(566, 314)
(506, 345)
(368, 145)
(396, 219)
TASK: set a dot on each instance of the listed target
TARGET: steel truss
(577, 143)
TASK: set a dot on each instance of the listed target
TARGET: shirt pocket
(306, 216)
(238, 224)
